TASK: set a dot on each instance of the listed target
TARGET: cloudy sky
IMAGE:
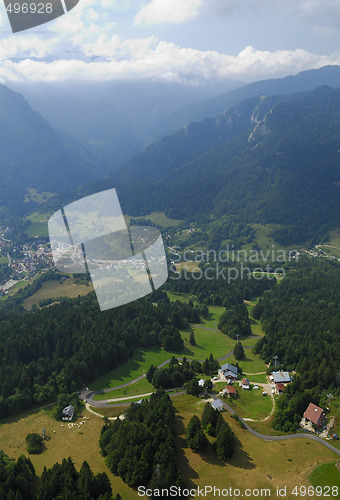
(175, 40)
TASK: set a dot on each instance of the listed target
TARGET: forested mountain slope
(302, 82)
(268, 159)
(301, 319)
(97, 125)
(34, 155)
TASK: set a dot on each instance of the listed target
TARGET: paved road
(206, 328)
(265, 437)
(87, 395)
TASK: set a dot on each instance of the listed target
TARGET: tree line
(60, 348)
(141, 449)
(18, 481)
(301, 319)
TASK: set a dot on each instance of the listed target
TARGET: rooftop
(229, 367)
(282, 377)
(217, 404)
(313, 413)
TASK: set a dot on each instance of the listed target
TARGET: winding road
(265, 437)
(87, 397)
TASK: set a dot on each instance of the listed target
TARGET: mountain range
(267, 159)
(215, 105)
(34, 155)
(270, 157)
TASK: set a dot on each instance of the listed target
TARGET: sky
(186, 41)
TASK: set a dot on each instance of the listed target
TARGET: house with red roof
(314, 414)
(245, 384)
(279, 388)
(231, 391)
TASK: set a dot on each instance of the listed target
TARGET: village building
(245, 384)
(314, 414)
(231, 391)
(217, 404)
(68, 413)
(280, 388)
(280, 377)
(228, 371)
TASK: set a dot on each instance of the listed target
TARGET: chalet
(279, 388)
(314, 414)
(245, 384)
(217, 404)
(280, 377)
(229, 371)
(68, 413)
(232, 393)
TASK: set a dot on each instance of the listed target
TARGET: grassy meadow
(81, 444)
(255, 464)
(54, 289)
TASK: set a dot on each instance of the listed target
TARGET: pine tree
(150, 373)
(195, 436)
(224, 441)
(239, 352)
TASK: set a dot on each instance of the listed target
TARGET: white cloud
(85, 44)
(168, 11)
(114, 58)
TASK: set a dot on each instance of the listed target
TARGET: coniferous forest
(18, 481)
(301, 319)
(141, 449)
(57, 350)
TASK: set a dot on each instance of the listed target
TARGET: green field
(133, 399)
(38, 224)
(158, 218)
(255, 463)
(251, 404)
(37, 229)
(335, 237)
(3, 259)
(183, 297)
(81, 444)
(258, 379)
(265, 242)
(326, 475)
(207, 342)
(252, 364)
(34, 195)
(265, 427)
(111, 411)
(133, 368)
(54, 289)
(141, 387)
(215, 313)
(335, 411)
(331, 251)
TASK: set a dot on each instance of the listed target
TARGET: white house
(217, 404)
(245, 384)
(68, 413)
